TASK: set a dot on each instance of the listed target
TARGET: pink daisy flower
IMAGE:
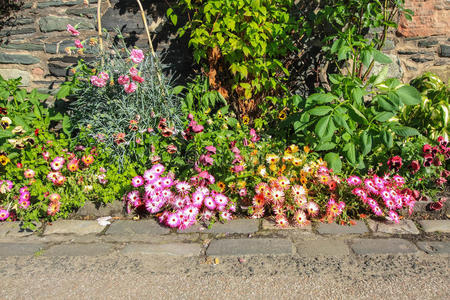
(377, 210)
(25, 196)
(178, 203)
(23, 189)
(354, 180)
(300, 218)
(190, 211)
(151, 207)
(399, 180)
(29, 173)
(393, 217)
(372, 202)
(133, 197)
(197, 199)
(390, 203)
(226, 215)
(158, 169)
(209, 203)
(173, 220)
(360, 193)
(166, 194)
(370, 185)
(243, 192)
(385, 195)
(206, 215)
(167, 182)
(24, 204)
(149, 176)
(150, 188)
(137, 181)
(183, 187)
(4, 214)
(221, 200)
(378, 182)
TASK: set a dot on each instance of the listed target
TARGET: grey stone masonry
(14, 73)
(22, 59)
(53, 23)
(73, 227)
(126, 227)
(79, 250)
(435, 247)
(435, 225)
(328, 247)
(173, 249)
(404, 227)
(242, 226)
(20, 249)
(333, 228)
(250, 246)
(382, 246)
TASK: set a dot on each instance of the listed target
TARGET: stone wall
(33, 41)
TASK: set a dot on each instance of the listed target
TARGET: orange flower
(87, 159)
(306, 149)
(221, 186)
(303, 180)
(72, 165)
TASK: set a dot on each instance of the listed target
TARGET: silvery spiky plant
(121, 96)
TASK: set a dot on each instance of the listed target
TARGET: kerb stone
(243, 226)
(382, 246)
(247, 246)
(327, 247)
(19, 249)
(127, 227)
(333, 228)
(14, 229)
(404, 227)
(270, 225)
(174, 249)
(73, 227)
(79, 250)
(435, 247)
(435, 225)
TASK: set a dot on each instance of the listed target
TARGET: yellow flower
(272, 158)
(303, 180)
(288, 157)
(273, 167)
(221, 186)
(208, 110)
(245, 120)
(219, 115)
(297, 161)
(306, 149)
(292, 149)
(5, 122)
(4, 160)
(254, 152)
(241, 184)
(282, 115)
(262, 171)
(92, 41)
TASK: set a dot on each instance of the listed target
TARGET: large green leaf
(409, 95)
(387, 139)
(319, 98)
(325, 146)
(320, 110)
(384, 116)
(378, 56)
(366, 139)
(333, 161)
(405, 131)
(350, 152)
(324, 126)
(356, 115)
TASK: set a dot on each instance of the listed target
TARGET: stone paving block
(20, 249)
(173, 249)
(382, 246)
(79, 250)
(114, 209)
(249, 246)
(434, 247)
(328, 247)
(270, 225)
(243, 226)
(127, 227)
(14, 229)
(404, 227)
(333, 228)
(435, 225)
(79, 227)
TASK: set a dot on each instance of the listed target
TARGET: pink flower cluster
(238, 161)
(130, 86)
(101, 80)
(387, 191)
(24, 197)
(178, 203)
(193, 127)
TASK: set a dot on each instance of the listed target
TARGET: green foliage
(351, 44)
(431, 116)
(245, 40)
(355, 119)
(125, 123)
(24, 114)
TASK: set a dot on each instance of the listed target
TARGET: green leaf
(408, 95)
(367, 143)
(64, 91)
(357, 95)
(350, 152)
(356, 115)
(380, 77)
(325, 146)
(387, 139)
(378, 56)
(178, 89)
(405, 131)
(324, 126)
(320, 110)
(319, 98)
(333, 161)
(384, 116)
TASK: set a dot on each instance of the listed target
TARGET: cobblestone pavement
(244, 258)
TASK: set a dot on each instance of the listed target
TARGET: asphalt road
(258, 277)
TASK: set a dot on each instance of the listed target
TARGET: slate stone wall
(33, 40)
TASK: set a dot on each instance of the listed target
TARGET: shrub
(431, 116)
(120, 99)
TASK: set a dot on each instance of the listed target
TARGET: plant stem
(99, 25)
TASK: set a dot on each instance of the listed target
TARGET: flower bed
(193, 154)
